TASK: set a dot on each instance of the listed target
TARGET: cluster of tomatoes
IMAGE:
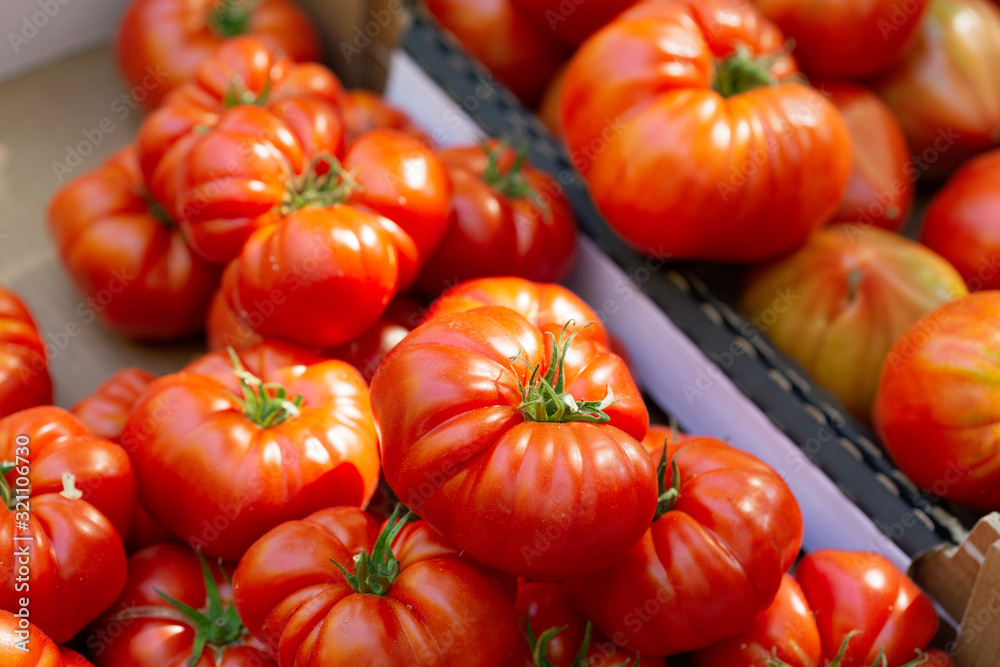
(700, 138)
(408, 445)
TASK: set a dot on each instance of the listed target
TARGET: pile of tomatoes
(408, 444)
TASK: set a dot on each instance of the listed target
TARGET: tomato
(26, 647)
(160, 43)
(725, 530)
(960, 222)
(338, 256)
(507, 218)
(548, 108)
(695, 140)
(364, 111)
(243, 71)
(331, 590)
(223, 458)
(946, 91)
(368, 350)
(73, 659)
(788, 627)
(838, 304)
(402, 180)
(69, 499)
(571, 22)
(880, 190)
(104, 413)
(24, 367)
(148, 627)
(865, 592)
(536, 489)
(127, 258)
(561, 633)
(546, 305)
(937, 402)
(846, 38)
(495, 32)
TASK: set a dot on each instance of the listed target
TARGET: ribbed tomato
(24, 367)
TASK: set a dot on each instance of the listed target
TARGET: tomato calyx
(880, 659)
(325, 183)
(6, 493)
(258, 404)
(540, 647)
(157, 212)
(229, 18)
(375, 572)
(743, 71)
(544, 397)
(214, 626)
(854, 278)
(667, 495)
(511, 182)
(69, 491)
(237, 93)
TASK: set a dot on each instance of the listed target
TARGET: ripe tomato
(946, 91)
(128, 259)
(507, 218)
(26, 646)
(288, 435)
(68, 499)
(726, 528)
(961, 222)
(73, 659)
(704, 158)
(546, 305)
(880, 190)
(104, 413)
(561, 635)
(364, 111)
(145, 628)
(839, 303)
(865, 592)
(24, 368)
(160, 43)
(938, 398)
(496, 33)
(846, 38)
(331, 590)
(536, 474)
(571, 22)
(787, 627)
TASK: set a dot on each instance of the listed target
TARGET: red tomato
(865, 592)
(546, 305)
(129, 260)
(160, 43)
(104, 413)
(318, 278)
(838, 304)
(683, 120)
(496, 33)
(330, 590)
(507, 218)
(223, 327)
(880, 191)
(401, 179)
(946, 90)
(726, 528)
(24, 367)
(539, 490)
(846, 38)
(938, 398)
(271, 460)
(145, 629)
(364, 111)
(73, 659)
(571, 22)
(962, 223)
(544, 606)
(69, 497)
(26, 646)
(787, 627)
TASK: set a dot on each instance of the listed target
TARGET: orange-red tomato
(26, 645)
(364, 111)
(24, 368)
(160, 43)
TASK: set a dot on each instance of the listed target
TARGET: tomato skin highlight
(41, 651)
(535, 499)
